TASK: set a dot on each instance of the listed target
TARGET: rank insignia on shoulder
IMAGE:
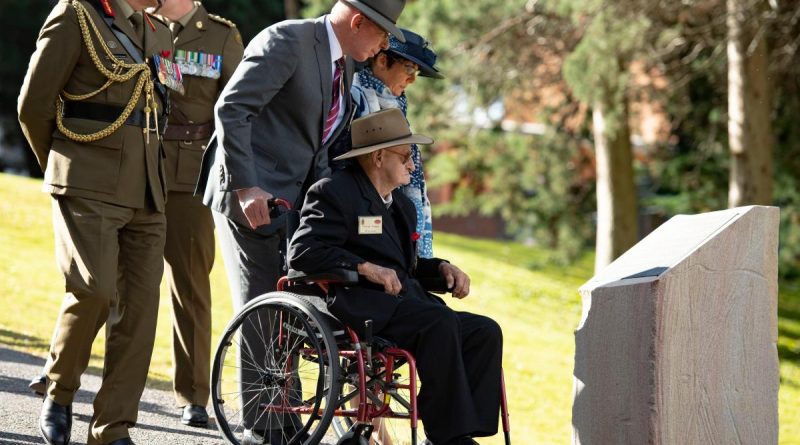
(195, 63)
(222, 20)
(169, 73)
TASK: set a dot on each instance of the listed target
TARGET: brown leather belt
(197, 132)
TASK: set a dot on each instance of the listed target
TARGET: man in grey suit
(285, 103)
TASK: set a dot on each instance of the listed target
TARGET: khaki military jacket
(211, 35)
(122, 168)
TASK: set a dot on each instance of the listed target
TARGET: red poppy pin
(414, 236)
(165, 53)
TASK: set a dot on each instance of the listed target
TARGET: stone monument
(677, 341)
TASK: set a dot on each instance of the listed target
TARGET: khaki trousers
(111, 258)
(189, 255)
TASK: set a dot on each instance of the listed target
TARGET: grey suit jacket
(270, 117)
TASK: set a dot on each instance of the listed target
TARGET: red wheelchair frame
(376, 373)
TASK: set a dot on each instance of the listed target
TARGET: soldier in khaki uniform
(207, 49)
(91, 108)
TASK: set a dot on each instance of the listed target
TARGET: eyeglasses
(405, 156)
(411, 68)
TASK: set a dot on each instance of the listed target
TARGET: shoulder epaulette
(222, 20)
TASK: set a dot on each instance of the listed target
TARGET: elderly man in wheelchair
(321, 363)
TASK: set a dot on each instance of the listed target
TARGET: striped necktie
(335, 93)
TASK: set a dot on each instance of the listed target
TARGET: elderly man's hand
(456, 279)
(253, 201)
(381, 275)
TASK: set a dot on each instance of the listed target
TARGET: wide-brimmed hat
(381, 129)
(383, 12)
(416, 49)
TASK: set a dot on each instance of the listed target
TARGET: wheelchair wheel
(271, 374)
(386, 431)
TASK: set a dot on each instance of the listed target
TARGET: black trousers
(459, 358)
(253, 264)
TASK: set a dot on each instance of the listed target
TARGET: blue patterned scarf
(370, 94)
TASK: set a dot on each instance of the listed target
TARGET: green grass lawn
(536, 303)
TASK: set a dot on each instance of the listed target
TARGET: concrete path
(19, 410)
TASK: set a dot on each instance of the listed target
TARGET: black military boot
(194, 415)
(55, 422)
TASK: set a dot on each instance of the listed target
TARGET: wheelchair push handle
(274, 203)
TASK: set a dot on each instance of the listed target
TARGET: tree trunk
(291, 8)
(750, 136)
(617, 223)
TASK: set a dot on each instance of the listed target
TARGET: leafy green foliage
(597, 69)
(541, 186)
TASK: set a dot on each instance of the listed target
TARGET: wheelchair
(286, 364)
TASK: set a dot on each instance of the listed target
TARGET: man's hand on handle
(253, 201)
(381, 275)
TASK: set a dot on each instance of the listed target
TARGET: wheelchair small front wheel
(272, 373)
(385, 430)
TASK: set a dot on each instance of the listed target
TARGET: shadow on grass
(15, 341)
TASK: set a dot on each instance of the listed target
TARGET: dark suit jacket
(270, 117)
(328, 237)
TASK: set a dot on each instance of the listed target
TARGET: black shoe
(123, 441)
(55, 422)
(38, 385)
(194, 415)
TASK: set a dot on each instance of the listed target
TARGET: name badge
(370, 225)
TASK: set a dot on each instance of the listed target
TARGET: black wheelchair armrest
(334, 276)
(437, 285)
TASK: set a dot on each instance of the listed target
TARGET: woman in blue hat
(382, 84)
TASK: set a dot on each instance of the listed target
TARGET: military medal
(203, 65)
(194, 63)
(217, 72)
(169, 74)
